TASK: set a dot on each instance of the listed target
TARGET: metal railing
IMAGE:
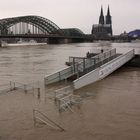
(60, 75)
(5, 88)
(92, 63)
(12, 86)
(38, 115)
(64, 99)
(121, 59)
(62, 92)
(65, 103)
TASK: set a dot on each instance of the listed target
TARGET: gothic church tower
(103, 29)
(101, 18)
(109, 21)
(108, 17)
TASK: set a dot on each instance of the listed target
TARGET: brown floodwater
(110, 108)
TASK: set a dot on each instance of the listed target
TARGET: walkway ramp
(81, 66)
(59, 76)
(103, 70)
(86, 70)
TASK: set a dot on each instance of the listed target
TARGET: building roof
(134, 33)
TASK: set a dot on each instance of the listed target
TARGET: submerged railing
(38, 115)
(12, 86)
(5, 88)
(65, 99)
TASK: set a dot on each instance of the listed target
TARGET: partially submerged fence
(64, 99)
(5, 88)
(63, 91)
(11, 86)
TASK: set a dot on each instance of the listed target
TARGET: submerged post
(25, 89)
(38, 94)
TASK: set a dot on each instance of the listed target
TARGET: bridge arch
(72, 32)
(43, 24)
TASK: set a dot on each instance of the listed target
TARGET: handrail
(21, 84)
(98, 61)
(58, 71)
(64, 89)
(4, 85)
(60, 74)
(15, 86)
(5, 88)
(119, 57)
(44, 115)
(66, 104)
(5, 91)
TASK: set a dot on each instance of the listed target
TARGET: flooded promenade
(110, 108)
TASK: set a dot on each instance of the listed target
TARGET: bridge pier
(52, 41)
(64, 40)
(78, 40)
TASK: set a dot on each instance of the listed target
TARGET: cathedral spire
(108, 11)
(109, 21)
(101, 14)
(108, 17)
(101, 18)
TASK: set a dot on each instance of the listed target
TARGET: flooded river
(110, 109)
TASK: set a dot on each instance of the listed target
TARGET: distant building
(103, 30)
(134, 34)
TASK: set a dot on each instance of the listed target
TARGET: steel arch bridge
(38, 28)
(28, 25)
(35, 25)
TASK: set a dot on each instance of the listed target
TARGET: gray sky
(77, 13)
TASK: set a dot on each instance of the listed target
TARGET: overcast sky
(80, 14)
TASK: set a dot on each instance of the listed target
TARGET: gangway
(103, 70)
(80, 66)
(86, 70)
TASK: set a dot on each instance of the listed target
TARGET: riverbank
(22, 44)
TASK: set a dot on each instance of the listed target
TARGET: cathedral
(103, 30)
